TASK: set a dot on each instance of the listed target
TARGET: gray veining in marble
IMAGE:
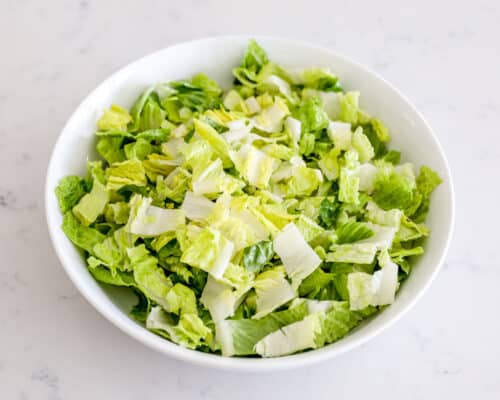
(444, 55)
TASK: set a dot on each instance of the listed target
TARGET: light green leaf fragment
(357, 253)
(272, 290)
(215, 140)
(149, 276)
(300, 335)
(115, 118)
(130, 172)
(362, 145)
(299, 259)
(238, 337)
(181, 300)
(82, 236)
(92, 204)
(308, 228)
(209, 251)
(148, 221)
(69, 191)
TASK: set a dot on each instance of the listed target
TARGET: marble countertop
(443, 54)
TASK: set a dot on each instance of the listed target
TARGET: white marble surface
(443, 54)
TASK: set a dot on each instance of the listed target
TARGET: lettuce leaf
(147, 220)
(349, 107)
(92, 204)
(272, 290)
(180, 300)
(150, 278)
(69, 191)
(392, 190)
(377, 289)
(238, 337)
(130, 172)
(298, 257)
(115, 118)
(82, 236)
(300, 335)
(209, 251)
(312, 116)
(254, 57)
(353, 232)
(339, 320)
(257, 256)
(359, 253)
(312, 285)
(190, 331)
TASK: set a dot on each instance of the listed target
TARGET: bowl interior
(216, 57)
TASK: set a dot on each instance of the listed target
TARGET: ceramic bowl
(216, 57)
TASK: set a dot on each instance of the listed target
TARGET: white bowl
(216, 57)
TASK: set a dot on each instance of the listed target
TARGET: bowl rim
(146, 337)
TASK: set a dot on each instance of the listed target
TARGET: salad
(263, 220)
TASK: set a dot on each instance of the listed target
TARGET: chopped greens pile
(264, 220)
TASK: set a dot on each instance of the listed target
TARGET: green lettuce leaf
(180, 299)
(320, 79)
(238, 337)
(339, 320)
(312, 285)
(426, 182)
(110, 148)
(312, 116)
(130, 172)
(328, 212)
(362, 145)
(69, 191)
(308, 228)
(353, 232)
(392, 190)
(152, 116)
(82, 236)
(349, 179)
(115, 118)
(349, 107)
(299, 259)
(92, 204)
(359, 253)
(149, 221)
(189, 332)
(272, 290)
(137, 150)
(209, 251)
(300, 335)
(218, 144)
(257, 256)
(254, 57)
(149, 276)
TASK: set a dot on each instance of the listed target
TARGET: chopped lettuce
(196, 207)
(300, 335)
(116, 118)
(239, 336)
(376, 290)
(147, 220)
(358, 253)
(92, 204)
(257, 256)
(82, 236)
(272, 290)
(69, 191)
(130, 172)
(262, 219)
(149, 276)
(297, 256)
(210, 251)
